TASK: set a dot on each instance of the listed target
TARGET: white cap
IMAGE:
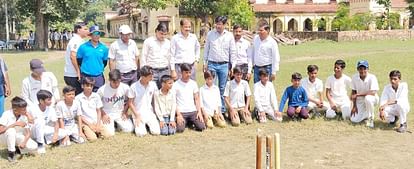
(124, 29)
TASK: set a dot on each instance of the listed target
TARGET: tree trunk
(41, 33)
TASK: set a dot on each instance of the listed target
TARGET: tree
(387, 5)
(199, 8)
(128, 5)
(239, 11)
(46, 12)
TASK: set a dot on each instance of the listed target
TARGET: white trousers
(396, 110)
(271, 113)
(152, 123)
(125, 125)
(42, 133)
(12, 138)
(73, 132)
(366, 108)
(312, 105)
(344, 104)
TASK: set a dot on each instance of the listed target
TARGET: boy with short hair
(336, 92)
(265, 98)
(394, 101)
(114, 98)
(234, 95)
(165, 104)
(46, 126)
(91, 105)
(298, 100)
(364, 94)
(140, 101)
(314, 89)
(14, 129)
(188, 101)
(69, 113)
(210, 103)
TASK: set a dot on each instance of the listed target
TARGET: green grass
(328, 143)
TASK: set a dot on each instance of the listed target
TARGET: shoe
(41, 149)
(402, 128)
(11, 156)
(395, 121)
(370, 123)
(18, 150)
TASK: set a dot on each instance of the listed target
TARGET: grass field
(314, 143)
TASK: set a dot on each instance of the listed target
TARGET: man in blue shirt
(92, 57)
(298, 100)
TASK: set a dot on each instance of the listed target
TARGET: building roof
(399, 4)
(295, 8)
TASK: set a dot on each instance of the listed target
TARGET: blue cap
(362, 63)
(95, 28)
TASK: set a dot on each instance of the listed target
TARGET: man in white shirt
(394, 102)
(336, 92)
(39, 79)
(15, 130)
(185, 48)
(219, 51)
(188, 101)
(243, 53)
(114, 98)
(314, 89)
(237, 97)
(140, 101)
(364, 94)
(156, 53)
(123, 55)
(71, 73)
(31, 39)
(265, 53)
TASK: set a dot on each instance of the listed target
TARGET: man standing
(185, 48)
(123, 55)
(219, 50)
(265, 53)
(71, 73)
(156, 53)
(364, 95)
(243, 58)
(92, 57)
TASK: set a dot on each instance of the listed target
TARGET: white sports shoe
(41, 149)
(370, 123)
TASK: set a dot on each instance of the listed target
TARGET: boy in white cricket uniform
(314, 89)
(265, 98)
(46, 126)
(14, 129)
(69, 112)
(114, 97)
(210, 102)
(394, 102)
(364, 94)
(336, 92)
(91, 105)
(234, 95)
(140, 101)
(39, 79)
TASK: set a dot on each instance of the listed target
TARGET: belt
(160, 69)
(262, 66)
(220, 63)
(88, 75)
(179, 64)
(130, 72)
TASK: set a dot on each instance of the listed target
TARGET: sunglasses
(96, 33)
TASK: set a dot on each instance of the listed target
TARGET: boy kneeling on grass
(394, 101)
(165, 105)
(15, 131)
(69, 113)
(298, 100)
(91, 105)
(46, 126)
(210, 102)
(265, 98)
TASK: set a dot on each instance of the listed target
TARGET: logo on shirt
(114, 99)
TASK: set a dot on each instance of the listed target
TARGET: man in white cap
(39, 79)
(123, 55)
(71, 73)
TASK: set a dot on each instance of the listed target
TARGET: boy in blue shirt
(298, 100)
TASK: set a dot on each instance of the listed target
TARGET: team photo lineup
(154, 90)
